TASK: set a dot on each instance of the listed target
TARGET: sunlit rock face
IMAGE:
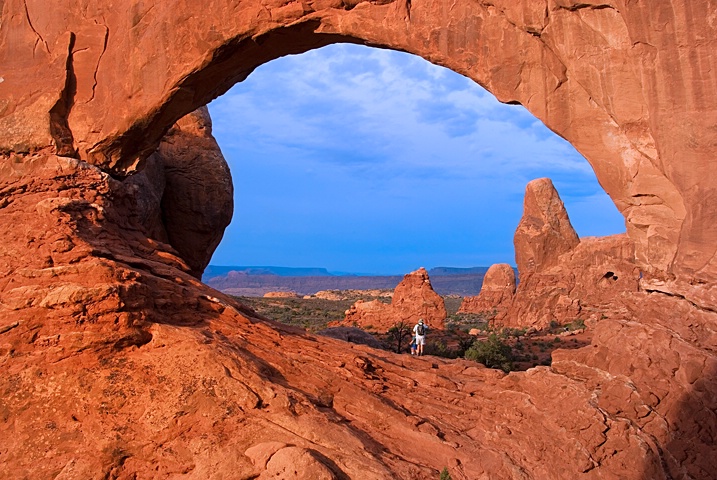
(118, 363)
(413, 299)
(104, 84)
(562, 278)
(544, 232)
(590, 282)
(496, 293)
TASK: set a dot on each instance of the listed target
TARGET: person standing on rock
(420, 330)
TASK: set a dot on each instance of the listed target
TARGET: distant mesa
(213, 271)
(441, 271)
(248, 281)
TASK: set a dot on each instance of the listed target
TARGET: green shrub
(492, 352)
(439, 349)
(463, 345)
(445, 475)
(514, 332)
(577, 324)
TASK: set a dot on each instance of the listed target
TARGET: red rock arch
(89, 304)
(635, 100)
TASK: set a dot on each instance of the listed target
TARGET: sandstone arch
(90, 303)
(598, 74)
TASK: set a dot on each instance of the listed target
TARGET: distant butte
(117, 362)
(412, 300)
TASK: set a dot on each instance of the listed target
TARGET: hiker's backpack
(421, 330)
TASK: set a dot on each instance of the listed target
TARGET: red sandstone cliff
(117, 363)
(496, 294)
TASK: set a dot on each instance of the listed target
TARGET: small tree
(445, 475)
(492, 352)
(398, 332)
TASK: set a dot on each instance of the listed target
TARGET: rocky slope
(117, 363)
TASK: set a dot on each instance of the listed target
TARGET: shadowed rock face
(198, 199)
(185, 191)
(117, 362)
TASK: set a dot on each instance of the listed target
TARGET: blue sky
(364, 160)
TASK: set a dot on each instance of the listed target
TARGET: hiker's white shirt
(420, 339)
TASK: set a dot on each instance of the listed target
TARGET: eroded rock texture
(185, 192)
(413, 299)
(496, 293)
(589, 282)
(544, 232)
(117, 363)
(562, 278)
(629, 84)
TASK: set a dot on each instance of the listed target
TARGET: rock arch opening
(578, 67)
(406, 163)
(629, 83)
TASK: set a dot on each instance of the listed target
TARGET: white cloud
(390, 105)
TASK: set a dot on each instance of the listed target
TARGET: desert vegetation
(469, 336)
(313, 314)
